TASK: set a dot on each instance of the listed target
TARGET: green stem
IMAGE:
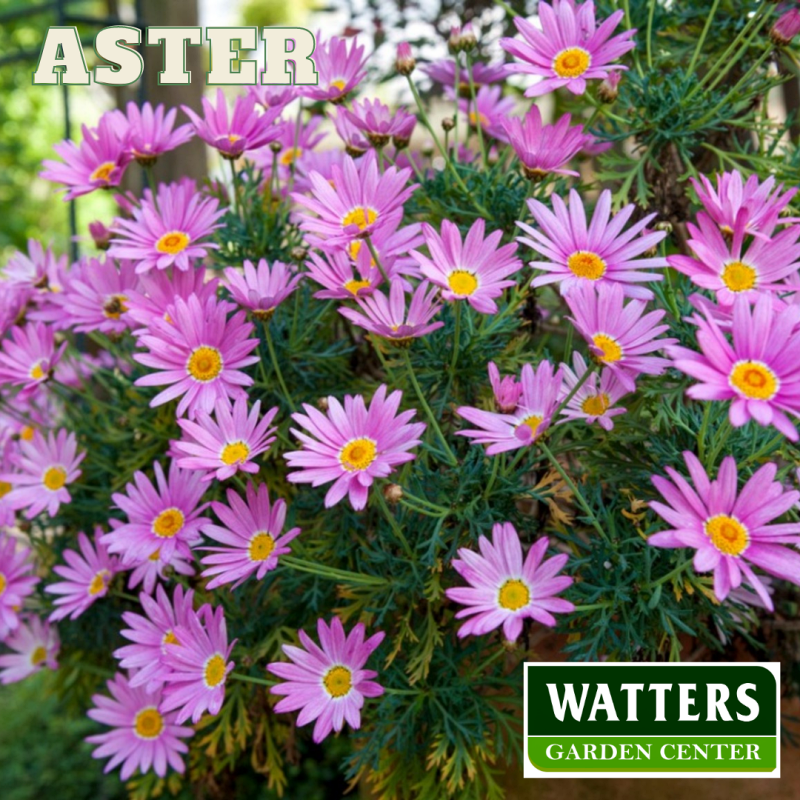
(423, 117)
(235, 186)
(394, 524)
(492, 478)
(700, 42)
(422, 501)
(591, 607)
(652, 11)
(456, 339)
(507, 8)
(237, 676)
(574, 489)
(701, 435)
(151, 182)
(377, 259)
(302, 565)
(125, 596)
(275, 366)
(424, 403)
(675, 572)
(474, 96)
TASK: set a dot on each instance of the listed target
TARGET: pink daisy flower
(16, 582)
(87, 575)
(506, 390)
(758, 371)
(199, 667)
(243, 130)
(620, 336)
(297, 144)
(157, 291)
(474, 270)
(149, 132)
(169, 233)
(388, 317)
(532, 416)
(97, 294)
(157, 568)
(153, 634)
(273, 96)
(601, 252)
(13, 302)
(490, 110)
(99, 162)
(223, 446)
(596, 400)
(355, 142)
(362, 200)
(340, 70)
(263, 288)
(199, 355)
(727, 527)
(544, 149)
(46, 466)
(29, 357)
(504, 589)
(341, 277)
(761, 205)
(378, 123)
(570, 49)
(353, 445)
(142, 737)
(35, 644)
(34, 269)
(252, 538)
(731, 270)
(328, 681)
(164, 518)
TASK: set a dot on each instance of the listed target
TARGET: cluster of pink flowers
(199, 339)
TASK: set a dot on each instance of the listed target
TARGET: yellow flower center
(572, 62)
(597, 405)
(261, 546)
(533, 422)
(513, 595)
(727, 534)
(338, 84)
(462, 283)
(587, 265)
(354, 286)
(480, 117)
(103, 171)
(5, 488)
(38, 656)
(3, 583)
(27, 433)
(154, 556)
(173, 242)
(361, 216)
(37, 373)
(358, 454)
(54, 478)
(99, 582)
(291, 155)
(611, 348)
(214, 671)
(170, 638)
(739, 277)
(148, 723)
(233, 138)
(205, 363)
(754, 380)
(168, 523)
(115, 306)
(338, 681)
(234, 453)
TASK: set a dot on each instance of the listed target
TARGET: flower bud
(608, 91)
(786, 27)
(393, 493)
(100, 234)
(405, 62)
(448, 123)
(455, 38)
(468, 40)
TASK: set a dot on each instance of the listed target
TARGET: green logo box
(677, 720)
